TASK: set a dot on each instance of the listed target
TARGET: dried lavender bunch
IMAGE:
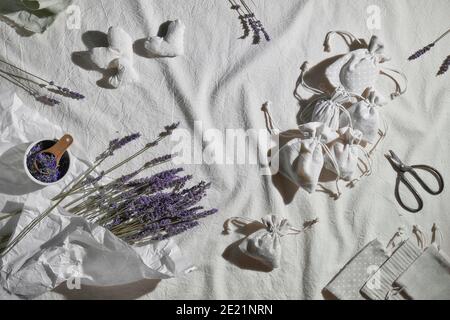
(444, 67)
(151, 208)
(79, 184)
(249, 22)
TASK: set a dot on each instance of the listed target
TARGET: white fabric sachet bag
(310, 150)
(346, 151)
(359, 69)
(428, 278)
(347, 283)
(365, 116)
(265, 244)
(328, 110)
(380, 284)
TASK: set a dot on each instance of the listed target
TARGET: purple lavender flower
(444, 67)
(169, 129)
(66, 92)
(159, 160)
(421, 52)
(48, 101)
(42, 166)
(117, 144)
(176, 229)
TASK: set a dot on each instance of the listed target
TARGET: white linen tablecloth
(223, 81)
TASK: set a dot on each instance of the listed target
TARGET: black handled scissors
(401, 169)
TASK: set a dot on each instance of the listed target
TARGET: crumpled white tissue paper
(63, 246)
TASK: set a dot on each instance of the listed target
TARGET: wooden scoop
(57, 150)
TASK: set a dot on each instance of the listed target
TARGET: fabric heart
(171, 45)
(118, 57)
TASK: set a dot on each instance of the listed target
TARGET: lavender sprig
(444, 67)
(421, 52)
(49, 85)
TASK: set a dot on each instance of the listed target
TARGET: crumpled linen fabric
(222, 81)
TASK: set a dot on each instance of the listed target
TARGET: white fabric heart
(171, 45)
(118, 56)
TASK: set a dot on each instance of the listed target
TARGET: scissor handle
(402, 179)
(433, 172)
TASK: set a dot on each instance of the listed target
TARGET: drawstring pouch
(325, 108)
(359, 69)
(302, 158)
(347, 283)
(365, 117)
(346, 151)
(265, 244)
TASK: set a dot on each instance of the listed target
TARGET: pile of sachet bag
(339, 130)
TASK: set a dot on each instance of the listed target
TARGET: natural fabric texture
(365, 116)
(346, 285)
(428, 278)
(222, 81)
(383, 279)
(346, 152)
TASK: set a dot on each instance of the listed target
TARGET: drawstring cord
(295, 231)
(400, 234)
(243, 221)
(393, 292)
(421, 238)
(343, 34)
(271, 125)
(398, 90)
(237, 221)
(438, 237)
(335, 165)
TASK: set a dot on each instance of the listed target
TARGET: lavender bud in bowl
(42, 168)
